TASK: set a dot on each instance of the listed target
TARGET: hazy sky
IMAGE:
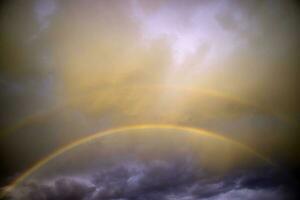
(72, 68)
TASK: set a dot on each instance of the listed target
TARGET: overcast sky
(71, 69)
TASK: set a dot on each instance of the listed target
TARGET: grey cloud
(159, 179)
(62, 188)
(248, 194)
(227, 21)
(44, 10)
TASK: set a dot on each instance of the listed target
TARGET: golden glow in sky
(71, 69)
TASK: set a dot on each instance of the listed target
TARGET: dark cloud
(160, 179)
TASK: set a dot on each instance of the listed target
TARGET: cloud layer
(159, 179)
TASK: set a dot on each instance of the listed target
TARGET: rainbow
(132, 128)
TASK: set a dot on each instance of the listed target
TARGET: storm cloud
(159, 179)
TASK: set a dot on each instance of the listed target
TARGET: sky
(70, 70)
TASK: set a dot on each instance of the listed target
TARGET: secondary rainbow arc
(43, 115)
